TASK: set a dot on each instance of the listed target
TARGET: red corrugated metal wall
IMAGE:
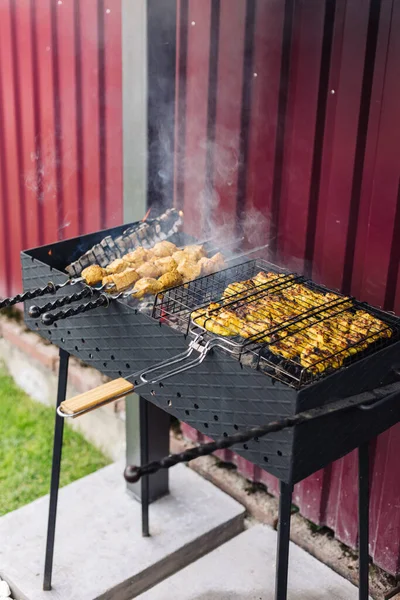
(60, 124)
(305, 130)
(299, 101)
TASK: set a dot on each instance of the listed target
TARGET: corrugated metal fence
(60, 124)
(287, 111)
(299, 101)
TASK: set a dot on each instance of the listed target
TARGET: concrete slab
(244, 569)
(99, 550)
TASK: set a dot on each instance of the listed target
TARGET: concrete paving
(244, 569)
(99, 550)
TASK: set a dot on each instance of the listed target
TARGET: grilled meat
(316, 330)
(116, 266)
(189, 269)
(138, 256)
(166, 264)
(149, 269)
(147, 285)
(213, 264)
(93, 274)
(124, 279)
(194, 252)
(163, 249)
(171, 279)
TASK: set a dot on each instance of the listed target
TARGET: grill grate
(283, 347)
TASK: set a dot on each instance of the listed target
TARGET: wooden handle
(104, 393)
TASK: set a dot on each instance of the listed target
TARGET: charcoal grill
(221, 385)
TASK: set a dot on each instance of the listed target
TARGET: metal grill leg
(144, 459)
(363, 520)
(55, 470)
(282, 563)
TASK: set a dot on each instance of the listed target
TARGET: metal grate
(283, 346)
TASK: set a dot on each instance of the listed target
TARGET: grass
(26, 441)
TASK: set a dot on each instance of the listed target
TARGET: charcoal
(140, 234)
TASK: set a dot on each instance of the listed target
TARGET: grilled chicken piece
(212, 265)
(189, 270)
(93, 274)
(116, 266)
(166, 264)
(206, 318)
(194, 252)
(124, 279)
(179, 256)
(138, 256)
(147, 285)
(240, 290)
(171, 279)
(108, 279)
(162, 249)
(149, 269)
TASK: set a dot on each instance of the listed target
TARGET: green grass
(26, 440)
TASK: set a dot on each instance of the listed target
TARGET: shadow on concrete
(262, 595)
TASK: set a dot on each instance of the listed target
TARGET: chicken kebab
(314, 329)
(150, 271)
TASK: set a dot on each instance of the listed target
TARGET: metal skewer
(50, 288)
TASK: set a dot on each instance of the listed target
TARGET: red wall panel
(322, 170)
(60, 102)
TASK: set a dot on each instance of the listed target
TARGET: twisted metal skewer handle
(35, 311)
(132, 473)
(50, 318)
(50, 288)
(377, 396)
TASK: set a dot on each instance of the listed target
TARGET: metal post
(282, 562)
(144, 459)
(55, 469)
(363, 520)
(153, 433)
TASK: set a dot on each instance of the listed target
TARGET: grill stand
(147, 433)
(55, 469)
(363, 519)
(282, 552)
(144, 457)
(285, 506)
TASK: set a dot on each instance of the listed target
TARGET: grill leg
(282, 563)
(157, 433)
(144, 458)
(55, 470)
(363, 520)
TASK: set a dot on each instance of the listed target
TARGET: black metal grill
(225, 393)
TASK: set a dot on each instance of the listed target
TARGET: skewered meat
(195, 252)
(147, 285)
(116, 266)
(179, 256)
(189, 270)
(163, 249)
(149, 269)
(124, 279)
(171, 279)
(93, 274)
(212, 265)
(138, 256)
(166, 264)
(109, 249)
(108, 280)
